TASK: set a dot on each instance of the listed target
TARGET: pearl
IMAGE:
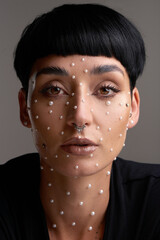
(81, 203)
(101, 139)
(73, 77)
(62, 133)
(89, 185)
(45, 158)
(132, 121)
(49, 184)
(67, 155)
(120, 118)
(50, 103)
(101, 191)
(111, 150)
(109, 129)
(85, 70)
(91, 109)
(61, 117)
(98, 127)
(97, 164)
(120, 134)
(72, 94)
(36, 116)
(108, 103)
(51, 200)
(83, 100)
(80, 84)
(108, 173)
(79, 137)
(51, 169)
(41, 167)
(68, 193)
(124, 144)
(129, 93)
(115, 159)
(90, 228)
(76, 167)
(107, 113)
(88, 94)
(56, 156)
(73, 224)
(93, 213)
(50, 111)
(73, 64)
(83, 59)
(35, 100)
(48, 128)
(91, 155)
(61, 212)
(67, 103)
(127, 104)
(54, 225)
(75, 107)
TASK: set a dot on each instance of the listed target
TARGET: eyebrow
(53, 70)
(106, 68)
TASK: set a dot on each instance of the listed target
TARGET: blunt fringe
(85, 29)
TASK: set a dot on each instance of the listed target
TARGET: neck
(74, 206)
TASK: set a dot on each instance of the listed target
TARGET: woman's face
(79, 90)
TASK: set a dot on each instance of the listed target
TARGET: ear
(24, 116)
(135, 108)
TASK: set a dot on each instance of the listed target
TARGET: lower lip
(79, 150)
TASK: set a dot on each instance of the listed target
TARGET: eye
(107, 91)
(52, 91)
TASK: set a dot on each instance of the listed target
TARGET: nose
(79, 111)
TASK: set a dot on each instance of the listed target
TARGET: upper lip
(77, 141)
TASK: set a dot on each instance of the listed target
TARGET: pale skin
(103, 103)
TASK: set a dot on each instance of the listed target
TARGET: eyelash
(45, 91)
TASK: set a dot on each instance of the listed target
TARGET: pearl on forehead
(54, 225)
(73, 64)
(92, 213)
(51, 200)
(73, 224)
(50, 103)
(61, 212)
(68, 193)
(82, 59)
(109, 129)
(61, 117)
(67, 103)
(73, 76)
(90, 228)
(111, 150)
(108, 103)
(101, 191)
(81, 203)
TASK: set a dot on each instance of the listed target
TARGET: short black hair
(85, 29)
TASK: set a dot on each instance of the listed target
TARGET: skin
(96, 89)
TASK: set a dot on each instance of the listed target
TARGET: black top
(133, 212)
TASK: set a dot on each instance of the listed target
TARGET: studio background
(143, 141)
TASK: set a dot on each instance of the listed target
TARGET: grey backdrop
(143, 141)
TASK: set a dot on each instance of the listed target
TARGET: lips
(79, 147)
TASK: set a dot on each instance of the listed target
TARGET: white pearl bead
(45, 158)
(67, 103)
(72, 94)
(107, 113)
(124, 144)
(36, 116)
(115, 159)
(83, 100)
(109, 129)
(62, 133)
(120, 118)
(73, 224)
(108, 173)
(89, 185)
(52, 201)
(41, 167)
(76, 167)
(80, 84)
(132, 121)
(73, 77)
(75, 107)
(98, 127)
(61, 212)
(91, 155)
(90, 228)
(50, 103)
(73, 64)
(35, 100)
(49, 184)
(48, 128)
(67, 155)
(101, 191)
(79, 137)
(68, 193)
(61, 117)
(83, 59)
(120, 134)
(54, 225)
(91, 109)
(101, 139)
(111, 150)
(56, 156)
(93, 213)
(81, 203)
(51, 169)
(108, 103)
(97, 164)
(50, 111)
(85, 70)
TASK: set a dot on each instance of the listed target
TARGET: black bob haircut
(84, 29)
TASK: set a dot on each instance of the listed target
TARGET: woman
(78, 66)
